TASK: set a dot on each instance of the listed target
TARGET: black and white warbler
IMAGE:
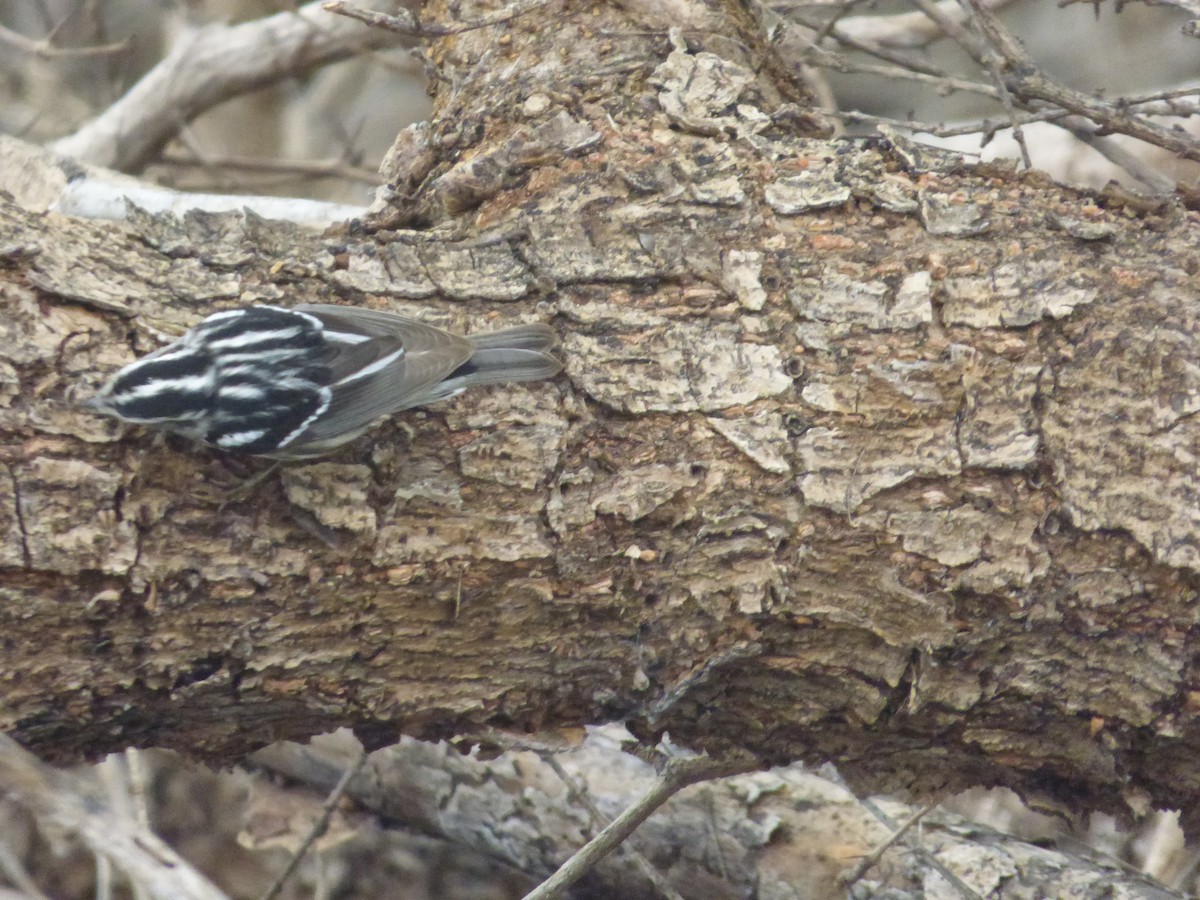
(298, 383)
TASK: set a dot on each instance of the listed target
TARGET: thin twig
(45, 50)
(993, 61)
(952, 28)
(124, 778)
(840, 64)
(319, 826)
(405, 22)
(826, 28)
(849, 41)
(1047, 114)
(579, 793)
(907, 31)
(1188, 6)
(864, 865)
(1029, 84)
(987, 57)
(714, 833)
(1119, 156)
(930, 860)
(678, 774)
(316, 168)
(899, 31)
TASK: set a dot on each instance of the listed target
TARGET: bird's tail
(514, 354)
(538, 336)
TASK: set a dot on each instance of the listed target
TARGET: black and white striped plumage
(297, 383)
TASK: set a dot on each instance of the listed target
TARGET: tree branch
(212, 65)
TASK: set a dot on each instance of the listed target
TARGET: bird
(301, 382)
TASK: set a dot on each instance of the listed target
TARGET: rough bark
(859, 456)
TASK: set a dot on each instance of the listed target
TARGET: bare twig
(405, 22)
(825, 29)
(1191, 7)
(1119, 156)
(864, 865)
(316, 168)
(46, 50)
(805, 35)
(1159, 103)
(983, 54)
(993, 62)
(1025, 93)
(907, 31)
(580, 793)
(877, 34)
(678, 774)
(714, 833)
(319, 827)
(957, 883)
(954, 27)
(902, 60)
(839, 63)
(104, 879)
(1026, 82)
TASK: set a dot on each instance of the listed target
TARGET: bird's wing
(380, 363)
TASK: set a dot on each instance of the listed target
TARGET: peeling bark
(851, 461)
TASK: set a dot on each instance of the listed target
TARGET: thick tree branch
(899, 456)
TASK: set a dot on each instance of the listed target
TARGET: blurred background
(323, 135)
